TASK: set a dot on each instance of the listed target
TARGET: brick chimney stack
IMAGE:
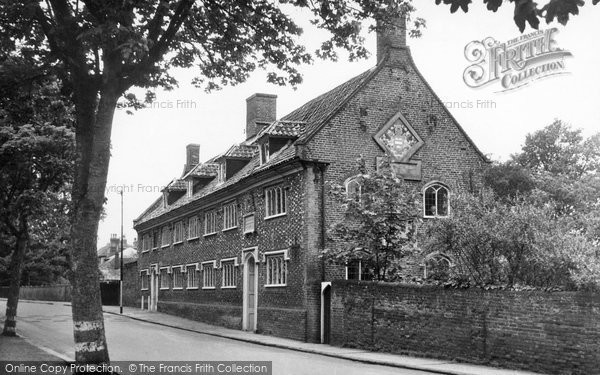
(391, 37)
(114, 244)
(260, 109)
(192, 157)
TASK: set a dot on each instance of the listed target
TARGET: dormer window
(222, 171)
(264, 152)
(190, 188)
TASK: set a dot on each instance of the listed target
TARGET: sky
(148, 147)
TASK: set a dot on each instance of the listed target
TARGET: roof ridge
(460, 128)
(361, 79)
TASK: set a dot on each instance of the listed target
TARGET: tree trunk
(16, 267)
(93, 152)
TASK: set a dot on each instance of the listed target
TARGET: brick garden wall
(556, 333)
(131, 285)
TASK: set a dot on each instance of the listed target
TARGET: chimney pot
(259, 108)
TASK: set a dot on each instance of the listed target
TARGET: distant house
(108, 257)
(236, 239)
(110, 267)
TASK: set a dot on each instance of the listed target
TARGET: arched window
(437, 266)
(353, 189)
(436, 200)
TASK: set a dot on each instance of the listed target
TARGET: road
(50, 325)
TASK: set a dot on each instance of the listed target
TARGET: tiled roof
(282, 128)
(204, 170)
(242, 151)
(177, 185)
(317, 111)
(285, 154)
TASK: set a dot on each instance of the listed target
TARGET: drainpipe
(322, 169)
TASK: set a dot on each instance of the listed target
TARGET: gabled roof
(241, 151)
(318, 111)
(176, 185)
(302, 123)
(283, 128)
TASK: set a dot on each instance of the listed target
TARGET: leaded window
(275, 201)
(228, 274)
(436, 201)
(229, 216)
(276, 270)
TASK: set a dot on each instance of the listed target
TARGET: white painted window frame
(182, 270)
(283, 198)
(271, 254)
(442, 186)
(197, 226)
(162, 236)
(160, 274)
(214, 267)
(235, 265)
(181, 231)
(226, 207)
(144, 274)
(195, 273)
(206, 214)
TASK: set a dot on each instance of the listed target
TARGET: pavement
(22, 348)
(19, 348)
(358, 355)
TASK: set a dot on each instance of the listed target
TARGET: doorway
(153, 289)
(250, 299)
(325, 312)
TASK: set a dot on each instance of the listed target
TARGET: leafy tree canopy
(377, 224)
(527, 11)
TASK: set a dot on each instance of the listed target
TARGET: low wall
(281, 322)
(132, 295)
(557, 333)
(42, 293)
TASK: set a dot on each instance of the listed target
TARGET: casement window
(155, 239)
(177, 277)
(192, 276)
(178, 232)
(229, 216)
(249, 223)
(222, 172)
(228, 273)
(275, 201)
(189, 191)
(165, 278)
(208, 274)
(353, 189)
(146, 243)
(144, 280)
(436, 200)
(357, 270)
(264, 152)
(210, 222)
(193, 227)
(276, 264)
(166, 236)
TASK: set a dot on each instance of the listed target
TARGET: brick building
(236, 240)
